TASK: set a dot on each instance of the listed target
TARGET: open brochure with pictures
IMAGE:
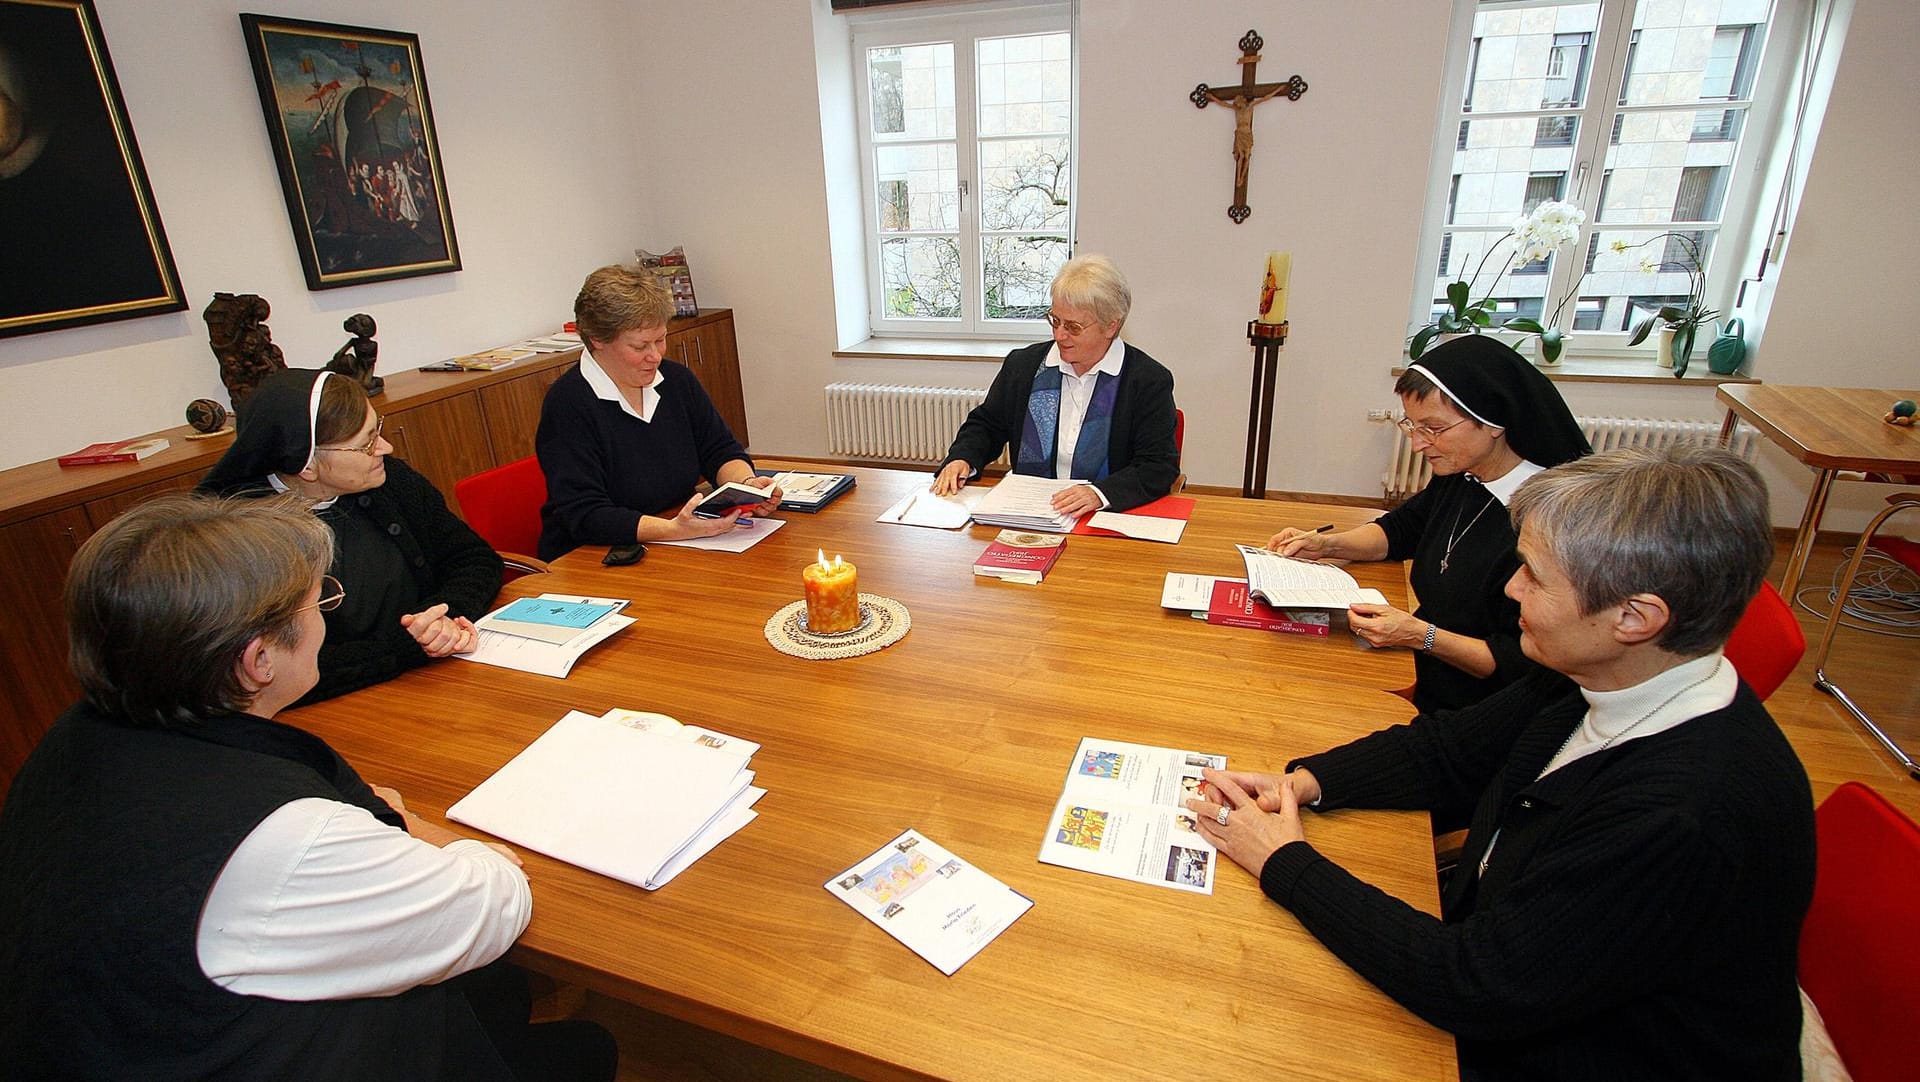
(636, 804)
(1287, 583)
(942, 908)
(1122, 813)
(537, 655)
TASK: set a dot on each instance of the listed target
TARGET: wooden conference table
(963, 730)
(1829, 429)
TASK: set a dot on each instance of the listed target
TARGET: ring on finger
(1221, 816)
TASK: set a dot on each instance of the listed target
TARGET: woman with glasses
(415, 575)
(1486, 420)
(1086, 405)
(201, 891)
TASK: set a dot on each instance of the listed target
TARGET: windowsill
(992, 350)
(1645, 373)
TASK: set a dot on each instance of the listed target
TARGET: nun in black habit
(414, 575)
(1486, 420)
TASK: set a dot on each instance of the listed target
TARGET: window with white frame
(1638, 112)
(966, 130)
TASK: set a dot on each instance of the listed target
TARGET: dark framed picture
(80, 236)
(352, 130)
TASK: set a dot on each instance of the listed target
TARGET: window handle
(1580, 180)
(963, 195)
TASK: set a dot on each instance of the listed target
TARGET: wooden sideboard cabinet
(446, 425)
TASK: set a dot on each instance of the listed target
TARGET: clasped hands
(1073, 500)
(439, 634)
(1263, 812)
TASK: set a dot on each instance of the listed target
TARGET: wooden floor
(1881, 673)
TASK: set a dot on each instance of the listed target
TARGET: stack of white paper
(549, 649)
(1023, 502)
(637, 797)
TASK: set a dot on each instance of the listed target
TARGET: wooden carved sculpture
(242, 343)
(356, 359)
(1241, 99)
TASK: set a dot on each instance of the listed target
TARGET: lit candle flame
(836, 560)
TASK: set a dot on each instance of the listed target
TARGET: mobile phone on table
(622, 555)
(731, 495)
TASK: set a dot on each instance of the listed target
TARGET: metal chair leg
(1820, 678)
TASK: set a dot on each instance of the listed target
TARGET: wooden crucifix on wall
(1241, 99)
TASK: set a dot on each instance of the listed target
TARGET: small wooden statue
(242, 342)
(356, 359)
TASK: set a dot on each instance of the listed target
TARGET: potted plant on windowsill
(1679, 324)
(1535, 235)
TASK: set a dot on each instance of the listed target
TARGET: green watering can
(1729, 349)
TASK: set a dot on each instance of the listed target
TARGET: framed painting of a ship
(352, 130)
(80, 234)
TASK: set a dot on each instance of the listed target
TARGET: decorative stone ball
(206, 415)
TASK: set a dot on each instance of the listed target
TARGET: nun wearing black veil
(413, 575)
(1486, 420)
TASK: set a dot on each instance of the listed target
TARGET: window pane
(1024, 85)
(1644, 267)
(1019, 271)
(911, 89)
(918, 187)
(1531, 57)
(920, 277)
(1462, 254)
(1659, 172)
(1023, 184)
(1700, 50)
(1555, 131)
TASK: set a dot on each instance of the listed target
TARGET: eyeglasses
(366, 448)
(1425, 432)
(331, 592)
(1073, 329)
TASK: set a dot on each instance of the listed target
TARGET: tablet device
(729, 496)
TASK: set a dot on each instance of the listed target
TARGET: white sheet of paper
(922, 508)
(738, 539)
(1193, 593)
(1140, 527)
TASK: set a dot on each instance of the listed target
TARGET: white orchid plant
(1536, 235)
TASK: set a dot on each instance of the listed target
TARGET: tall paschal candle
(833, 595)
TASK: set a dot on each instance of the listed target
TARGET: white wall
(542, 170)
(708, 123)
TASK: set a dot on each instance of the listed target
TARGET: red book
(1180, 507)
(95, 454)
(1233, 606)
(1020, 556)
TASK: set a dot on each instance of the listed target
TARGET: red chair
(1862, 934)
(1179, 440)
(1767, 643)
(503, 506)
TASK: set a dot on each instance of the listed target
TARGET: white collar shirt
(1504, 486)
(604, 388)
(1076, 393)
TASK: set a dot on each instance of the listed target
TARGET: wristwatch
(1426, 644)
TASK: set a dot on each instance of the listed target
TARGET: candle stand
(1266, 338)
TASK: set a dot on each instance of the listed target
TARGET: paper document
(1192, 593)
(1287, 583)
(944, 909)
(612, 799)
(1140, 527)
(1025, 503)
(739, 539)
(922, 508)
(1123, 813)
(525, 650)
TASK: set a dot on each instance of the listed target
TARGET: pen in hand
(1323, 529)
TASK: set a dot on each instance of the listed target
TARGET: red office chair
(503, 507)
(1862, 932)
(1767, 643)
(1179, 441)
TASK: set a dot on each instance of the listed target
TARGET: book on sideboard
(100, 454)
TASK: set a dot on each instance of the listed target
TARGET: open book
(1123, 813)
(1287, 583)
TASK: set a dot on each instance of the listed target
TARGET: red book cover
(1020, 556)
(1180, 507)
(1233, 606)
(95, 454)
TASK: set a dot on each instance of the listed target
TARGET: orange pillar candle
(833, 596)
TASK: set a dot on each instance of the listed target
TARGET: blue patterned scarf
(1042, 428)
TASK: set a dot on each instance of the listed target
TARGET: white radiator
(902, 424)
(1407, 471)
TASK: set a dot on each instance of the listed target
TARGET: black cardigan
(1470, 598)
(446, 559)
(1140, 448)
(1639, 918)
